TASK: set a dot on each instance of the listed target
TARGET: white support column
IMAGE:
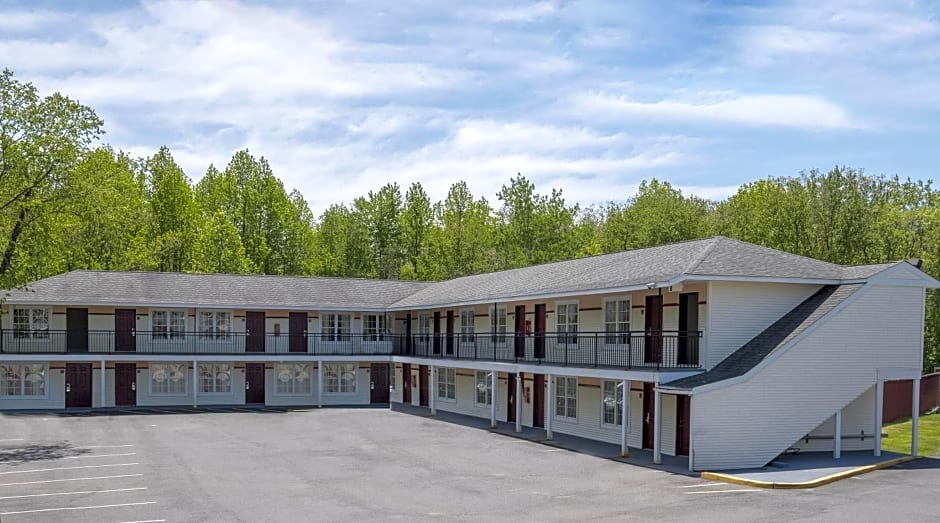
(657, 424)
(519, 399)
(104, 386)
(493, 388)
(433, 391)
(915, 416)
(320, 384)
(195, 383)
(549, 411)
(837, 436)
(624, 417)
(879, 405)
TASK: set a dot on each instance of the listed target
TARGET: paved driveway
(364, 464)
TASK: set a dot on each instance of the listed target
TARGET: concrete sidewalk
(809, 470)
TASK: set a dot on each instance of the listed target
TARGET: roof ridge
(250, 275)
(708, 250)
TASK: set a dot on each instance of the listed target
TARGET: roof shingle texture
(772, 338)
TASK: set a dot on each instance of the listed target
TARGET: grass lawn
(899, 436)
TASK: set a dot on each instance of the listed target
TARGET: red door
(648, 415)
(78, 384)
(683, 422)
(653, 348)
(254, 331)
(125, 330)
(125, 384)
(297, 332)
(406, 383)
(254, 383)
(511, 398)
(423, 378)
(538, 397)
(379, 385)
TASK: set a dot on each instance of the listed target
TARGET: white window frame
(333, 373)
(216, 369)
(214, 333)
(499, 324)
(153, 365)
(621, 340)
(38, 321)
(374, 327)
(332, 327)
(446, 380)
(562, 392)
(23, 370)
(169, 336)
(615, 401)
(297, 386)
(570, 337)
(484, 386)
(467, 332)
(425, 328)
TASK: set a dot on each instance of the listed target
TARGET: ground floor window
(446, 383)
(168, 378)
(612, 403)
(215, 377)
(339, 377)
(22, 379)
(293, 378)
(566, 397)
(484, 388)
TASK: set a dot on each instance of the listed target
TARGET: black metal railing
(634, 349)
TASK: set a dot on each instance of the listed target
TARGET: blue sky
(590, 97)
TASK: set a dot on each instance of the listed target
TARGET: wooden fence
(897, 400)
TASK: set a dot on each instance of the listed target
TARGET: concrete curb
(825, 480)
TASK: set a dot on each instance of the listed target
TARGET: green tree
(658, 214)
(463, 243)
(174, 212)
(416, 224)
(218, 248)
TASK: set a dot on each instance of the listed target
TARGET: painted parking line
(77, 492)
(87, 456)
(11, 439)
(728, 491)
(146, 521)
(59, 509)
(702, 485)
(94, 478)
(103, 446)
(69, 468)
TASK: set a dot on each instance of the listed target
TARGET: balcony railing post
(595, 349)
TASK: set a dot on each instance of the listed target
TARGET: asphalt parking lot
(373, 464)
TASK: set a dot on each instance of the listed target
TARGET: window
(612, 403)
(168, 324)
(27, 379)
(31, 323)
(215, 377)
(498, 324)
(617, 321)
(566, 322)
(424, 327)
(566, 397)
(484, 388)
(215, 325)
(446, 383)
(336, 327)
(168, 378)
(467, 326)
(374, 327)
(292, 378)
(339, 377)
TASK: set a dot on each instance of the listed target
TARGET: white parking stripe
(88, 456)
(102, 446)
(77, 508)
(72, 493)
(69, 479)
(11, 439)
(146, 521)
(70, 468)
(725, 491)
(702, 485)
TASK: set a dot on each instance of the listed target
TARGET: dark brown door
(254, 331)
(450, 332)
(683, 422)
(406, 383)
(409, 343)
(125, 384)
(540, 325)
(254, 383)
(538, 397)
(648, 415)
(437, 332)
(78, 384)
(125, 330)
(76, 328)
(653, 348)
(379, 387)
(423, 378)
(297, 332)
(688, 329)
(511, 398)
(520, 331)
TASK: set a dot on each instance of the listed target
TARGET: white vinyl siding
(446, 383)
(293, 378)
(566, 397)
(339, 378)
(31, 322)
(22, 379)
(483, 389)
(168, 378)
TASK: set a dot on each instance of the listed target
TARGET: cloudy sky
(591, 97)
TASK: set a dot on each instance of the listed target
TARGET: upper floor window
(498, 324)
(168, 324)
(215, 324)
(617, 321)
(336, 327)
(30, 323)
(374, 327)
(467, 325)
(566, 322)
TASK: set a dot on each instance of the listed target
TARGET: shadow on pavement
(29, 453)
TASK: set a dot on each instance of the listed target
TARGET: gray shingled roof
(772, 338)
(715, 257)
(214, 290)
